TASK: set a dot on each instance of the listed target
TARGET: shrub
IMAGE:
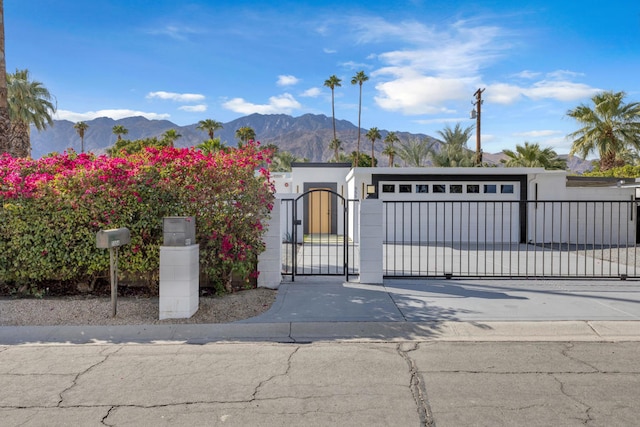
(53, 207)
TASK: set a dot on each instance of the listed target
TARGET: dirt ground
(84, 310)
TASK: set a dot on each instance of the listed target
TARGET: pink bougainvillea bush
(53, 207)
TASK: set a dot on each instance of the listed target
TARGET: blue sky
(186, 61)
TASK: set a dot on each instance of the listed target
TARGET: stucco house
(451, 210)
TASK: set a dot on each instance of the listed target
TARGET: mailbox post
(112, 240)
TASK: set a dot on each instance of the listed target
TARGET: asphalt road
(333, 383)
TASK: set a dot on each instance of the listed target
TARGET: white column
(270, 261)
(179, 281)
(371, 241)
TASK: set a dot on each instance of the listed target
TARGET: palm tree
(608, 128)
(390, 150)
(29, 104)
(454, 153)
(372, 135)
(119, 130)
(211, 146)
(415, 152)
(81, 127)
(5, 120)
(359, 78)
(532, 156)
(282, 161)
(332, 83)
(336, 146)
(209, 126)
(171, 136)
(245, 134)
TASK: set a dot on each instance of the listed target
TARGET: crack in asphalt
(417, 385)
(587, 410)
(565, 352)
(263, 382)
(104, 419)
(85, 371)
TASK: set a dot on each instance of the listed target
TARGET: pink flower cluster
(229, 192)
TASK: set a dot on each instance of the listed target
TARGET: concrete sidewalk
(320, 309)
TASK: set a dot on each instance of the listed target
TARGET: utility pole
(475, 114)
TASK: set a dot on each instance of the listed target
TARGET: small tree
(170, 137)
(81, 127)
(454, 152)
(119, 130)
(209, 126)
(245, 134)
(336, 146)
(211, 146)
(415, 152)
(372, 135)
(389, 149)
(531, 156)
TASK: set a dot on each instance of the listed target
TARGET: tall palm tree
(332, 83)
(119, 130)
(415, 152)
(358, 79)
(454, 153)
(531, 155)
(372, 135)
(81, 127)
(171, 136)
(608, 128)
(5, 120)
(29, 104)
(209, 126)
(245, 134)
(389, 149)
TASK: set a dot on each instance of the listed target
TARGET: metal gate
(529, 239)
(319, 236)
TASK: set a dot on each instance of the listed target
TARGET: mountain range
(306, 136)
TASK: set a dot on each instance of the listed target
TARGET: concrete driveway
(323, 299)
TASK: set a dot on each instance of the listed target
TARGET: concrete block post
(371, 234)
(270, 261)
(179, 281)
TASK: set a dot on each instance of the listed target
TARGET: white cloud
(200, 108)
(527, 74)
(503, 93)
(175, 32)
(113, 114)
(559, 90)
(287, 80)
(538, 133)
(412, 93)
(435, 68)
(329, 51)
(312, 92)
(282, 104)
(177, 97)
(352, 65)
